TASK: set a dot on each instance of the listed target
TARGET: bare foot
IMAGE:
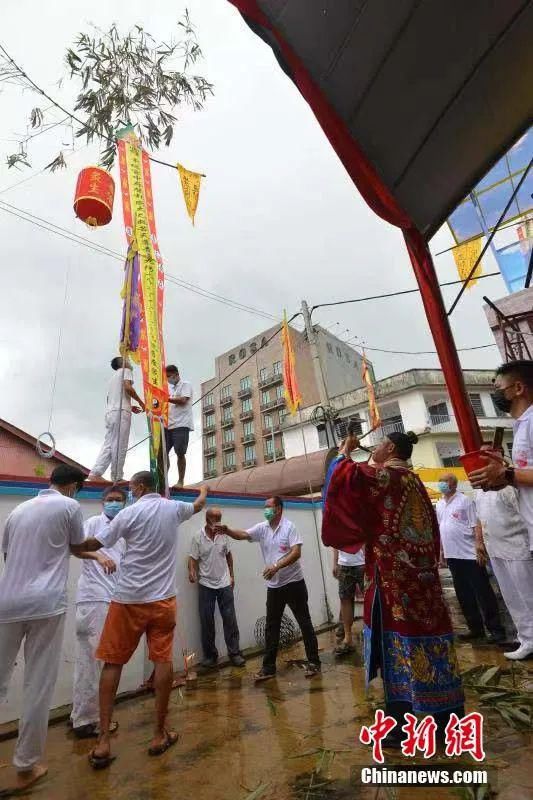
(27, 777)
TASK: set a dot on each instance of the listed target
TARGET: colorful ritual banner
(375, 418)
(190, 184)
(292, 393)
(131, 311)
(139, 222)
(465, 257)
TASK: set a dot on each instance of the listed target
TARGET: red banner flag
(292, 393)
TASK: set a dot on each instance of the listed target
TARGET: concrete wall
(293, 442)
(250, 590)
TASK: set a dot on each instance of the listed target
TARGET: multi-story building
(243, 407)
(415, 400)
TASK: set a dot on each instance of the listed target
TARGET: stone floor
(288, 739)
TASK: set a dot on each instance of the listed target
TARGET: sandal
(344, 649)
(171, 739)
(100, 762)
(312, 670)
(261, 676)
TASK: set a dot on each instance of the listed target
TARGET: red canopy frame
(378, 197)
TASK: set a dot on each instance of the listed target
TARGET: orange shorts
(125, 624)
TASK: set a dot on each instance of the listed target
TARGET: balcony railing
(245, 393)
(249, 462)
(228, 445)
(278, 402)
(392, 427)
(208, 405)
(248, 438)
(229, 468)
(439, 419)
(210, 428)
(227, 422)
(227, 400)
(273, 429)
(212, 473)
(244, 415)
(269, 457)
(210, 451)
(271, 379)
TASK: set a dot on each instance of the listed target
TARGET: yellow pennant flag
(465, 257)
(293, 397)
(375, 418)
(190, 184)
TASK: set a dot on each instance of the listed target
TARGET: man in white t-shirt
(144, 602)
(180, 419)
(96, 585)
(349, 569)
(117, 421)
(281, 547)
(514, 395)
(39, 536)
(211, 566)
(456, 514)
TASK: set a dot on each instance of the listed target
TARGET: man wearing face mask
(457, 518)
(281, 547)
(180, 419)
(39, 536)
(514, 395)
(96, 586)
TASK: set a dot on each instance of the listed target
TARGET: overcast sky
(278, 220)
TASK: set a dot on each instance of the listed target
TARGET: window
(499, 412)
(330, 347)
(248, 428)
(283, 414)
(393, 424)
(225, 392)
(246, 383)
(277, 368)
(280, 392)
(438, 413)
(338, 351)
(269, 447)
(322, 436)
(208, 400)
(249, 452)
(477, 405)
(228, 435)
(247, 405)
(229, 459)
(210, 464)
(209, 420)
(263, 373)
(265, 398)
(210, 441)
(267, 421)
(451, 461)
(227, 415)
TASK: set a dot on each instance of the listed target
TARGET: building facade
(512, 324)
(19, 457)
(416, 400)
(243, 406)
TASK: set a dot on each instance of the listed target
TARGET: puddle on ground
(288, 739)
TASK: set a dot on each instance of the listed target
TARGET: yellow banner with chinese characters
(190, 184)
(465, 257)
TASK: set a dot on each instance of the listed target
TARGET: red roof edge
(29, 439)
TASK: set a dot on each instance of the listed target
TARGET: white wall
(250, 593)
(293, 443)
(413, 410)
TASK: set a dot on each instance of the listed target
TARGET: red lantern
(93, 199)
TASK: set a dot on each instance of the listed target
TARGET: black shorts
(349, 579)
(177, 438)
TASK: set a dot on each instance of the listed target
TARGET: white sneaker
(523, 651)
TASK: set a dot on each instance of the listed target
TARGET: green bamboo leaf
(259, 792)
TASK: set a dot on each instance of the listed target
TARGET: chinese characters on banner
(465, 256)
(190, 184)
(139, 222)
(461, 735)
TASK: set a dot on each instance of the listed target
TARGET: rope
(46, 451)
(56, 368)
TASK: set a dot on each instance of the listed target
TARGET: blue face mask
(444, 488)
(112, 508)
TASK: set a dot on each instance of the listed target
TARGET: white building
(416, 400)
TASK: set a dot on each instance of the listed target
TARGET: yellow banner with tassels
(465, 257)
(190, 184)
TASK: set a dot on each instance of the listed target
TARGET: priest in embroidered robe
(408, 636)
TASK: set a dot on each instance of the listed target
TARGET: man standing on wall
(39, 536)
(180, 419)
(281, 547)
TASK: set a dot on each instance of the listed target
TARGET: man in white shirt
(39, 536)
(514, 395)
(502, 535)
(117, 421)
(180, 419)
(211, 566)
(96, 586)
(456, 514)
(281, 547)
(349, 569)
(144, 602)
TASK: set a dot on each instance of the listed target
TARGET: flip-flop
(344, 649)
(100, 762)
(171, 739)
(263, 676)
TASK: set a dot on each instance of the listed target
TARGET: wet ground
(289, 739)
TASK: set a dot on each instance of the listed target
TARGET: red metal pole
(442, 336)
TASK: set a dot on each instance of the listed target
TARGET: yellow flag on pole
(190, 184)
(375, 419)
(292, 393)
(465, 257)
